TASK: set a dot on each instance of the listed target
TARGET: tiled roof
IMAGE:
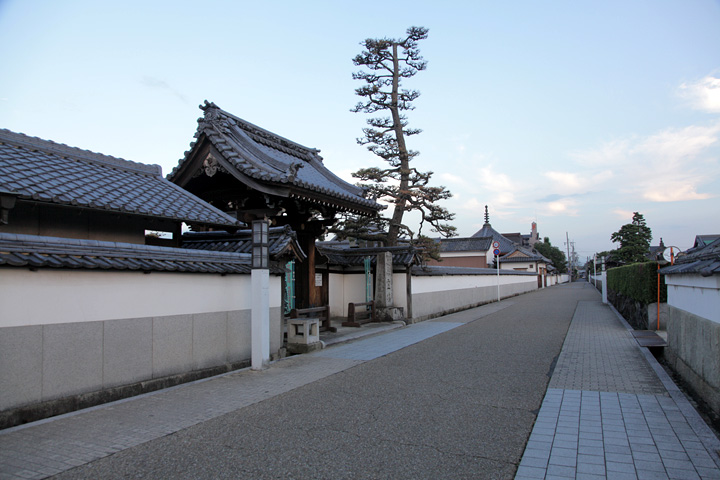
(526, 255)
(467, 244)
(282, 242)
(703, 240)
(506, 246)
(341, 253)
(704, 259)
(269, 158)
(44, 171)
(52, 252)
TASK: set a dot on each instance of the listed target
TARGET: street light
(260, 244)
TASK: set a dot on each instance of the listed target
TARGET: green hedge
(638, 281)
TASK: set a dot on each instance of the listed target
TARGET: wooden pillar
(307, 294)
(408, 291)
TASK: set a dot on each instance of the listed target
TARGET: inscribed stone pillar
(384, 281)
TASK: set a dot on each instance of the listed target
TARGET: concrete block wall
(39, 363)
(693, 351)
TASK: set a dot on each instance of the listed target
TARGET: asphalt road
(458, 405)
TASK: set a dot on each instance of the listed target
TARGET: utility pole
(567, 242)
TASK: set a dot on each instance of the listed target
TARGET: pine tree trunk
(401, 202)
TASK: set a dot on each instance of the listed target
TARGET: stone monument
(385, 310)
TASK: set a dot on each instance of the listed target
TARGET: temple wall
(67, 333)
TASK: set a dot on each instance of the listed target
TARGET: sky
(570, 114)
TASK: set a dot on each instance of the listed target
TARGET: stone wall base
(693, 352)
(38, 411)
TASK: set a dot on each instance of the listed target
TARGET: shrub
(638, 281)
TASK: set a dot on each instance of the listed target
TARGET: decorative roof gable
(524, 254)
(39, 170)
(268, 162)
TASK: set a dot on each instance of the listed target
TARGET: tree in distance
(552, 253)
(634, 239)
(387, 62)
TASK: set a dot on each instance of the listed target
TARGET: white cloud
(566, 180)
(452, 179)
(609, 154)
(675, 144)
(668, 166)
(703, 94)
(472, 205)
(564, 206)
(623, 214)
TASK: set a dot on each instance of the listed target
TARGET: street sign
(496, 251)
(496, 244)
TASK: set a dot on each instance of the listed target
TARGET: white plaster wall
(470, 253)
(695, 294)
(400, 290)
(345, 289)
(425, 284)
(436, 295)
(518, 266)
(66, 296)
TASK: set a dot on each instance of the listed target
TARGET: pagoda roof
(268, 163)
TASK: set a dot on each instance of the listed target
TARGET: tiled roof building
(252, 173)
(253, 162)
(53, 189)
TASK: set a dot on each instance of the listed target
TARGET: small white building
(693, 297)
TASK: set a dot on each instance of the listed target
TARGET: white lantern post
(260, 278)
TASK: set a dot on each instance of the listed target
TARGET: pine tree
(388, 62)
(634, 239)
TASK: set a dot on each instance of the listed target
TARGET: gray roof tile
(46, 171)
(341, 253)
(265, 156)
(506, 246)
(51, 252)
(282, 242)
(703, 258)
(466, 244)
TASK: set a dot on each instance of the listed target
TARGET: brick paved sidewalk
(611, 412)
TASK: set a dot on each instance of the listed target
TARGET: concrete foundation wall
(693, 351)
(48, 362)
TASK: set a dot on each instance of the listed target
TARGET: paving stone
(637, 424)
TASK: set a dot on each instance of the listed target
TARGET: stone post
(385, 310)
